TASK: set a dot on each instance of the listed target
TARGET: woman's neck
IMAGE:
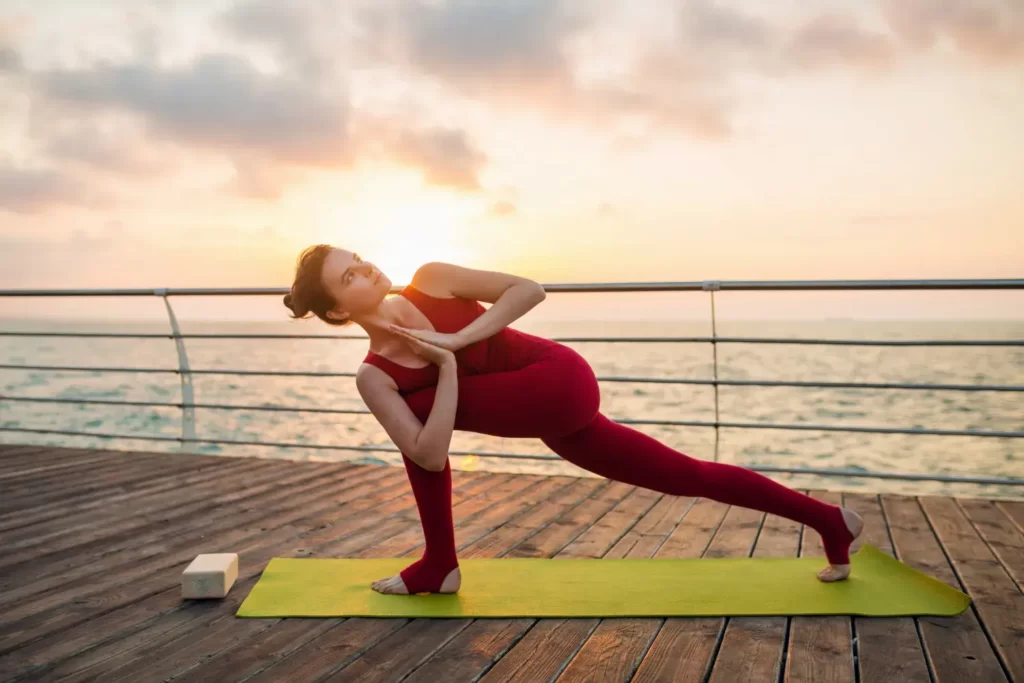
(376, 324)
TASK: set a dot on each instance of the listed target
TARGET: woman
(438, 361)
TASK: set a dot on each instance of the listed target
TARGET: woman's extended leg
(625, 454)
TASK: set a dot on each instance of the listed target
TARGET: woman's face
(356, 284)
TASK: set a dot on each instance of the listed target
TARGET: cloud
(218, 101)
(98, 147)
(516, 54)
(503, 208)
(9, 59)
(989, 30)
(719, 27)
(26, 190)
(270, 126)
(257, 177)
(510, 41)
(446, 157)
(832, 39)
(309, 38)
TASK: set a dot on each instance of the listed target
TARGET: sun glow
(407, 236)
(399, 225)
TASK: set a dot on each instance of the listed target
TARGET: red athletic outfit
(517, 385)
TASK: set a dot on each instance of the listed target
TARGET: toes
(393, 585)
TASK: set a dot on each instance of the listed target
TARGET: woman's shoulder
(446, 280)
(432, 279)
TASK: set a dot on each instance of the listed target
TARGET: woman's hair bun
(288, 301)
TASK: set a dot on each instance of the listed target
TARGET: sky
(157, 143)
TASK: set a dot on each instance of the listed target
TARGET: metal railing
(188, 405)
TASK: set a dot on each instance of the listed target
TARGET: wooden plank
(474, 651)
(68, 489)
(615, 648)
(997, 598)
(279, 640)
(956, 647)
(15, 470)
(151, 497)
(681, 647)
(888, 650)
(58, 471)
(223, 657)
(1015, 511)
(606, 531)
(41, 512)
(653, 529)
(417, 641)
(752, 647)
(613, 651)
(820, 648)
(547, 542)
(15, 478)
(401, 651)
(131, 581)
(124, 551)
(16, 455)
(482, 525)
(165, 615)
(124, 524)
(85, 488)
(474, 518)
(734, 537)
(1000, 533)
(345, 641)
(131, 469)
(517, 529)
(49, 531)
(13, 449)
(543, 652)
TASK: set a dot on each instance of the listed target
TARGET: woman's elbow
(431, 462)
(436, 465)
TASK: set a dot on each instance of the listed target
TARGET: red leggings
(557, 400)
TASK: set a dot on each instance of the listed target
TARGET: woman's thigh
(554, 396)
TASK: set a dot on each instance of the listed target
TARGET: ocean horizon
(930, 409)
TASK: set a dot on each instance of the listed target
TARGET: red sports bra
(509, 349)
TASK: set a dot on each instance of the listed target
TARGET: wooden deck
(93, 545)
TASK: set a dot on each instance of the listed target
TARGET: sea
(862, 452)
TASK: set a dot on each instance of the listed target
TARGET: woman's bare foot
(394, 585)
(838, 572)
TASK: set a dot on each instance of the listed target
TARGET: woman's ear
(334, 315)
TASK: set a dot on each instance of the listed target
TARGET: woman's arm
(511, 296)
(425, 444)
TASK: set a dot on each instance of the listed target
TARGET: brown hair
(308, 294)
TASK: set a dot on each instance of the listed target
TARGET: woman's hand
(451, 342)
(437, 355)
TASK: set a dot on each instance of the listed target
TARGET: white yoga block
(210, 576)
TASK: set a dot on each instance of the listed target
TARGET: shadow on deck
(94, 544)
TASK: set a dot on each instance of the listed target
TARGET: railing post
(712, 286)
(188, 411)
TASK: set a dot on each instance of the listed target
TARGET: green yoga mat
(519, 587)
